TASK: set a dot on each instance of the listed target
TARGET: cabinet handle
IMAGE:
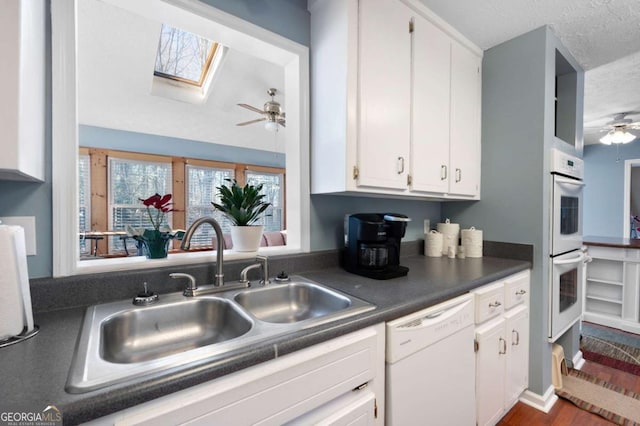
(400, 165)
(504, 347)
(443, 172)
(517, 337)
(458, 175)
(521, 292)
(494, 304)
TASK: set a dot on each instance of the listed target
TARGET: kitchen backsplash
(50, 294)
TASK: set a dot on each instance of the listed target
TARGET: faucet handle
(191, 286)
(264, 262)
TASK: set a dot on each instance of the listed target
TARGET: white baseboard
(543, 403)
(578, 360)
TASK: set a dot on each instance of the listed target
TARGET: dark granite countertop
(34, 372)
(611, 242)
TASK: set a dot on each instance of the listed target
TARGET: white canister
(433, 244)
(450, 235)
(472, 242)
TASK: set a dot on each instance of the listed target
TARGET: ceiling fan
(272, 111)
(618, 130)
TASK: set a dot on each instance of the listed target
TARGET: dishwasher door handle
(433, 318)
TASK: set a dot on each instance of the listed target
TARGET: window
(183, 56)
(129, 181)
(110, 196)
(273, 187)
(84, 201)
(201, 190)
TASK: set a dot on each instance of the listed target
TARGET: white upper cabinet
(22, 89)
(395, 101)
(464, 149)
(431, 112)
(384, 94)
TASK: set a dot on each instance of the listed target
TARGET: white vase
(246, 238)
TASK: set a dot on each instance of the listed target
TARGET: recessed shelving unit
(566, 90)
(612, 289)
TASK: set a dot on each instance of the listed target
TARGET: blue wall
(604, 190)
(100, 137)
(288, 18)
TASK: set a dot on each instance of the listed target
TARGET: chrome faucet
(186, 243)
(263, 264)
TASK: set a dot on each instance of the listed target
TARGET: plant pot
(246, 238)
(155, 244)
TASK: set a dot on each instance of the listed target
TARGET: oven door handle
(563, 180)
(577, 259)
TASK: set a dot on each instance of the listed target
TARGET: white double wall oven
(567, 256)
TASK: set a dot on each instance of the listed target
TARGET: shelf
(608, 282)
(604, 299)
(603, 307)
(608, 271)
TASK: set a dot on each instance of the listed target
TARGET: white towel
(15, 295)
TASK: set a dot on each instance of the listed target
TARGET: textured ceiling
(603, 36)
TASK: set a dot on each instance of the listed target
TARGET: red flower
(159, 202)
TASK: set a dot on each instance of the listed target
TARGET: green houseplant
(243, 206)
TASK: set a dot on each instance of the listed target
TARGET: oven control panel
(566, 164)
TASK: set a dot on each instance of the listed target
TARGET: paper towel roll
(450, 235)
(15, 295)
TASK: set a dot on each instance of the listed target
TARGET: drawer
(516, 289)
(489, 301)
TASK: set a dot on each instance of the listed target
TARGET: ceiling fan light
(617, 136)
(271, 125)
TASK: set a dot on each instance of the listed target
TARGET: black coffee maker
(372, 244)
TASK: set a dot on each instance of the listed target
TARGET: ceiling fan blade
(251, 122)
(282, 123)
(252, 108)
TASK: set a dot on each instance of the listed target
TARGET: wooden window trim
(99, 160)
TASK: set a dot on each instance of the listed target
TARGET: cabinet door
(465, 122)
(490, 371)
(384, 93)
(431, 83)
(517, 374)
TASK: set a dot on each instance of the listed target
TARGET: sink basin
(120, 342)
(292, 302)
(157, 331)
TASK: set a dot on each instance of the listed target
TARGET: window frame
(206, 69)
(100, 186)
(235, 33)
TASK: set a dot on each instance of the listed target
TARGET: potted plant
(155, 242)
(243, 206)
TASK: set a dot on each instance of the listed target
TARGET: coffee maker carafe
(372, 244)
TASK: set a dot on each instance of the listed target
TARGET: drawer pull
(495, 304)
(504, 347)
(521, 292)
(516, 341)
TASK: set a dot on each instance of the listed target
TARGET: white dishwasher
(431, 366)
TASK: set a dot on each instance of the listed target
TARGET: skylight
(183, 56)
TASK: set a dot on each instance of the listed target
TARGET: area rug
(611, 347)
(609, 401)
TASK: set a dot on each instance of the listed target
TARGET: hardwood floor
(565, 413)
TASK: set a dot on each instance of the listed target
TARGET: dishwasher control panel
(424, 328)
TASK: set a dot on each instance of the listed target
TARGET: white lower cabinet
(338, 382)
(502, 346)
(490, 371)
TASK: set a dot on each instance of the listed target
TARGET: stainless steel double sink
(120, 342)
